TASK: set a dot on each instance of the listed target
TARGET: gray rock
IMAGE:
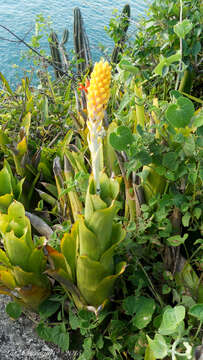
(19, 341)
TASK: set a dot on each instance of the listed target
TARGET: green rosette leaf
(4, 259)
(17, 250)
(5, 201)
(25, 278)
(5, 182)
(59, 263)
(94, 281)
(37, 261)
(69, 249)
(7, 279)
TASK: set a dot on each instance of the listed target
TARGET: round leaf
(14, 310)
(121, 138)
(179, 114)
(197, 311)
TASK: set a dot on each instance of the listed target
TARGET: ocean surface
(19, 16)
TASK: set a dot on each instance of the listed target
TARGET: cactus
(122, 28)
(81, 43)
(58, 53)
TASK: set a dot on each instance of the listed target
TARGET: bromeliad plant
(85, 266)
(22, 261)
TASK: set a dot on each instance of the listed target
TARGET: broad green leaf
(165, 62)
(180, 114)
(189, 146)
(144, 310)
(144, 157)
(121, 138)
(186, 219)
(129, 305)
(128, 66)
(197, 311)
(149, 355)
(183, 28)
(57, 334)
(198, 120)
(48, 308)
(177, 240)
(172, 317)
(170, 160)
(158, 346)
(14, 310)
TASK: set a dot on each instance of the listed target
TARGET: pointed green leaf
(69, 249)
(4, 258)
(17, 250)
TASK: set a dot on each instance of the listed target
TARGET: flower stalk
(97, 100)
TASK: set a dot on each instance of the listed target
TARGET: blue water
(19, 16)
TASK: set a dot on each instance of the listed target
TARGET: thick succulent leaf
(92, 202)
(4, 259)
(94, 283)
(37, 261)
(89, 274)
(24, 278)
(109, 152)
(7, 279)
(51, 188)
(89, 245)
(118, 235)
(17, 190)
(17, 219)
(3, 223)
(109, 188)
(105, 288)
(22, 147)
(33, 296)
(58, 262)
(5, 182)
(17, 250)
(5, 201)
(69, 249)
(101, 224)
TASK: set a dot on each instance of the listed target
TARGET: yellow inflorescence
(98, 91)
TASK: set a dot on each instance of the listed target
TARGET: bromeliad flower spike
(97, 100)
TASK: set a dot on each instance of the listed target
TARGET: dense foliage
(68, 239)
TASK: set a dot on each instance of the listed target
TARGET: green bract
(86, 256)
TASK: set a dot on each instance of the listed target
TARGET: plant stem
(152, 286)
(198, 330)
(181, 47)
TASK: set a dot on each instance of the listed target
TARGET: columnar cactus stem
(97, 99)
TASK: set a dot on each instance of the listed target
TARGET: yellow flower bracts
(98, 91)
(97, 99)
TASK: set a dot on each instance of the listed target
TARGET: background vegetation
(153, 149)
